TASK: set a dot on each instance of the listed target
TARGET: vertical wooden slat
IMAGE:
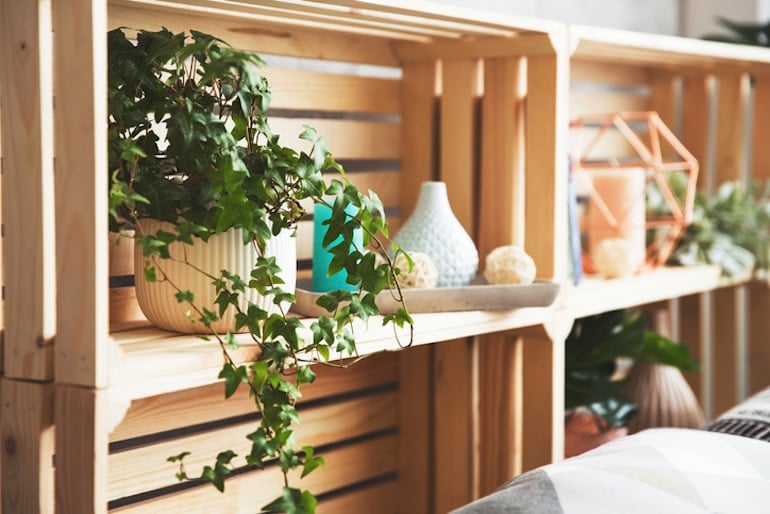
(81, 416)
(542, 410)
(26, 69)
(418, 93)
(759, 293)
(415, 430)
(501, 184)
(457, 148)
(500, 409)
(730, 163)
(501, 222)
(81, 183)
(546, 164)
(26, 433)
(452, 433)
(697, 115)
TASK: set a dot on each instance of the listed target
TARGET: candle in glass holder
(616, 220)
(322, 282)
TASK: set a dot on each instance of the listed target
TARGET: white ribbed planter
(224, 251)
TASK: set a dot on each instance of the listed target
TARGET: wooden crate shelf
(405, 91)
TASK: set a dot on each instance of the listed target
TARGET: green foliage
(592, 350)
(190, 144)
(754, 34)
(730, 229)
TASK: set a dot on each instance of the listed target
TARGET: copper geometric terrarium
(619, 160)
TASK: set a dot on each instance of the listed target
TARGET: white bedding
(662, 470)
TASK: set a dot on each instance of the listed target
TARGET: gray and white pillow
(750, 418)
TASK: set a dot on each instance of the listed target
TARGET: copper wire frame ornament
(649, 155)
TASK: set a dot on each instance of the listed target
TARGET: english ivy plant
(190, 144)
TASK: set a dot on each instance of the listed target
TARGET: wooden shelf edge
(596, 295)
(154, 362)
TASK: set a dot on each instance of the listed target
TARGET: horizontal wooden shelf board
(157, 362)
(595, 295)
(666, 51)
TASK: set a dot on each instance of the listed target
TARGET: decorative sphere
(510, 265)
(614, 257)
(424, 272)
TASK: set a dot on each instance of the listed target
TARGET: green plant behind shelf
(593, 350)
(190, 144)
(754, 34)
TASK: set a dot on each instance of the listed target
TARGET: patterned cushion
(662, 470)
(749, 419)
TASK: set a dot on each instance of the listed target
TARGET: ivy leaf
(312, 461)
(233, 377)
(292, 501)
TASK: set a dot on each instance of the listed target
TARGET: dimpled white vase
(434, 230)
(224, 251)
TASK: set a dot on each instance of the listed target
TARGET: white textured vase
(434, 230)
(223, 251)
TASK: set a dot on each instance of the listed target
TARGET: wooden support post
(81, 416)
(27, 438)
(81, 183)
(500, 410)
(415, 450)
(546, 190)
(30, 287)
(542, 410)
(452, 416)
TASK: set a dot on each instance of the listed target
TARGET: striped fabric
(749, 419)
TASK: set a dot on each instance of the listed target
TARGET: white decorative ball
(510, 265)
(613, 257)
(424, 272)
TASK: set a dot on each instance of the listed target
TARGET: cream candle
(616, 212)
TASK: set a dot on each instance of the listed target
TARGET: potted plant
(597, 351)
(192, 159)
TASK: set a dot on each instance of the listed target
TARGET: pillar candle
(322, 282)
(622, 191)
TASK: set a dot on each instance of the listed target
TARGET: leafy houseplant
(190, 145)
(593, 352)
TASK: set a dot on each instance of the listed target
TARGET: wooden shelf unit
(477, 100)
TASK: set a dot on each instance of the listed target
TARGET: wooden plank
(415, 428)
(143, 468)
(500, 410)
(597, 72)
(378, 499)
(29, 254)
(760, 151)
(691, 333)
(247, 493)
(696, 119)
(453, 366)
(207, 404)
(759, 348)
(546, 164)
(418, 131)
(346, 139)
(731, 134)
(457, 146)
(26, 429)
(81, 182)
(542, 412)
(260, 37)
(299, 89)
(502, 174)
(725, 361)
(81, 417)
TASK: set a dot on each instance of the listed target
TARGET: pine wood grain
(81, 203)
(27, 434)
(143, 468)
(80, 415)
(247, 493)
(26, 66)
